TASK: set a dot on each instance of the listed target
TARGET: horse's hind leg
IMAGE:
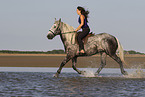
(74, 62)
(118, 60)
(103, 62)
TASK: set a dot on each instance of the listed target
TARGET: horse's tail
(121, 51)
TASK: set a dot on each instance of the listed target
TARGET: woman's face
(78, 12)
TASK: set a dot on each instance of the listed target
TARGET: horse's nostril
(49, 36)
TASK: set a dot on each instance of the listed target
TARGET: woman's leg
(82, 35)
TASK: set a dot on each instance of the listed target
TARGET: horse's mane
(67, 28)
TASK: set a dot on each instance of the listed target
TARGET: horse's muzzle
(50, 36)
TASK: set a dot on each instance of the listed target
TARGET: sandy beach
(54, 60)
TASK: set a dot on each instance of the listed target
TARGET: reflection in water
(103, 86)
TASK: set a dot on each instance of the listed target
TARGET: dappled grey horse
(102, 43)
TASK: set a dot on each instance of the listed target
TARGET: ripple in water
(38, 84)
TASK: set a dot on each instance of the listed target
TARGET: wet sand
(54, 60)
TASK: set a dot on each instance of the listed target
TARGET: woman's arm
(82, 23)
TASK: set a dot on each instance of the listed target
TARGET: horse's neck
(68, 38)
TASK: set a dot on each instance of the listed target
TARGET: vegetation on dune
(133, 52)
(33, 52)
(60, 51)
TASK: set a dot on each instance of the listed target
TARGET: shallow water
(36, 82)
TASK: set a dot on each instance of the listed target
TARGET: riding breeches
(83, 34)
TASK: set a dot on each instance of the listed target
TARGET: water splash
(136, 73)
(89, 72)
(133, 72)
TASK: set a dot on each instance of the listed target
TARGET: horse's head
(55, 30)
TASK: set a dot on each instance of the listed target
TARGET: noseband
(52, 32)
(56, 29)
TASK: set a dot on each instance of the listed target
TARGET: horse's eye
(54, 26)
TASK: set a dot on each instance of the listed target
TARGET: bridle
(58, 28)
(52, 32)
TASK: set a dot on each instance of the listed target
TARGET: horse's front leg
(61, 66)
(74, 63)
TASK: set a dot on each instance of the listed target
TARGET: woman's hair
(83, 12)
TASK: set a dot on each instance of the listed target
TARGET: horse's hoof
(56, 75)
(83, 72)
(125, 73)
(96, 74)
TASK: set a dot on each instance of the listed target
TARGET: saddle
(85, 39)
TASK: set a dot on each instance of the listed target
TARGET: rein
(69, 32)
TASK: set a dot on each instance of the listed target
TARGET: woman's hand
(75, 30)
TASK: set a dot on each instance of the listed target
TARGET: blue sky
(24, 23)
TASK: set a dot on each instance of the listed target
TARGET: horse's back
(108, 42)
(104, 35)
(99, 37)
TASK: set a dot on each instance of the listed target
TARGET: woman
(83, 15)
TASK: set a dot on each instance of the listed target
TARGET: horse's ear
(55, 19)
(60, 20)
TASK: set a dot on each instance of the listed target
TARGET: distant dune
(54, 60)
